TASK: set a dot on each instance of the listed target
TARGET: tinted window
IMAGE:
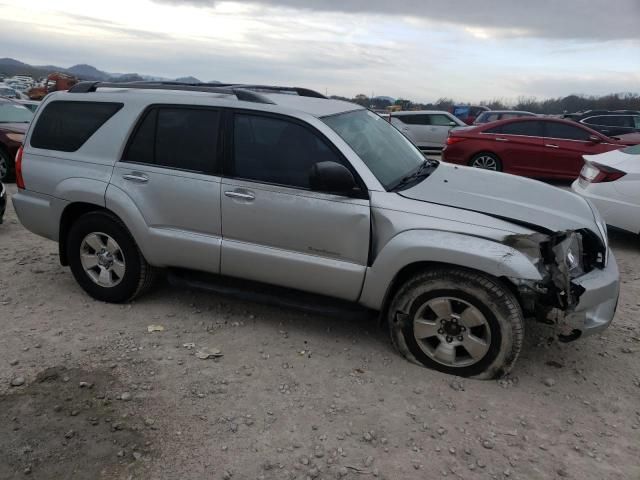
(490, 117)
(461, 111)
(528, 129)
(609, 121)
(441, 120)
(277, 151)
(413, 119)
(66, 126)
(565, 132)
(184, 138)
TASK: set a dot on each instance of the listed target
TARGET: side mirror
(595, 139)
(453, 124)
(331, 177)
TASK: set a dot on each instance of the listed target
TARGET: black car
(613, 123)
(3, 200)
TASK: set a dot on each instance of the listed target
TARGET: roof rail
(247, 93)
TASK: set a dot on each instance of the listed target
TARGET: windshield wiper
(423, 171)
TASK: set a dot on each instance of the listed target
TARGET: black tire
(6, 160)
(478, 158)
(139, 276)
(504, 320)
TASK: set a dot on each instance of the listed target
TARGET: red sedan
(531, 147)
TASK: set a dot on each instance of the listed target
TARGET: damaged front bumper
(597, 304)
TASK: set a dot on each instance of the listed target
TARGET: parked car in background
(468, 113)
(495, 115)
(539, 147)
(611, 181)
(14, 121)
(427, 129)
(288, 188)
(613, 124)
(30, 104)
(3, 201)
(8, 92)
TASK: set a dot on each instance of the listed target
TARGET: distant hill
(10, 67)
(87, 72)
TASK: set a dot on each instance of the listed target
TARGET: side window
(636, 121)
(565, 132)
(527, 129)
(441, 120)
(184, 138)
(414, 119)
(607, 121)
(277, 151)
(492, 117)
(65, 126)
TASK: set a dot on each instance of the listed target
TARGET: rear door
(170, 172)
(519, 145)
(565, 144)
(275, 228)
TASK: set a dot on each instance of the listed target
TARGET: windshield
(635, 150)
(387, 153)
(14, 113)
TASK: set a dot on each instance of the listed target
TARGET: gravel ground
(96, 395)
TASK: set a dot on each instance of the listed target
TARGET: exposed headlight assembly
(569, 255)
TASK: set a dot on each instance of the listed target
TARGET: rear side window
(609, 121)
(565, 132)
(66, 126)
(184, 138)
(527, 129)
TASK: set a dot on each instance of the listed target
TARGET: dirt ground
(294, 396)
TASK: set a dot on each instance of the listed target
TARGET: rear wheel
(105, 259)
(458, 322)
(486, 161)
(6, 167)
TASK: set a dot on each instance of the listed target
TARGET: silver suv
(283, 186)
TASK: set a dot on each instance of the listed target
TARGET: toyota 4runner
(285, 187)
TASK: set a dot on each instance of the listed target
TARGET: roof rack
(247, 93)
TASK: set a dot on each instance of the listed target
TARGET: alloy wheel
(102, 259)
(486, 162)
(452, 332)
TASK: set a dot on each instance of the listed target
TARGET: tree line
(569, 104)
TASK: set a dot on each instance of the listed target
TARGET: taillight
(451, 140)
(596, 173)
(19, 179)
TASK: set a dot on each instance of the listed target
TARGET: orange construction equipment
(55, 82)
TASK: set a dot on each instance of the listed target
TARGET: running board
(258, 292)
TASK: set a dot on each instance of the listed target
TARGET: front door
(275, 229)
(566, 144)
(519, 145)
(169, 172)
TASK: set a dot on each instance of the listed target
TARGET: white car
(611, 181)
(427, 129)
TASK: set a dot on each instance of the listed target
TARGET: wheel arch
(413, 251)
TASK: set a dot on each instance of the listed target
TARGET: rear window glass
(66, 126)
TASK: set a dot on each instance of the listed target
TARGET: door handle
(550, 145)
(240, 195)
(136, 177)
(405, 129)
(500, 139)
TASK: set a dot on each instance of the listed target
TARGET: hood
(521, 200)
(14, 127)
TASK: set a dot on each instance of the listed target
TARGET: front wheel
(105, 259)
(458, 322)
(486, 161)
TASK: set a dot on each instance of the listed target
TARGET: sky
(469, 50)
